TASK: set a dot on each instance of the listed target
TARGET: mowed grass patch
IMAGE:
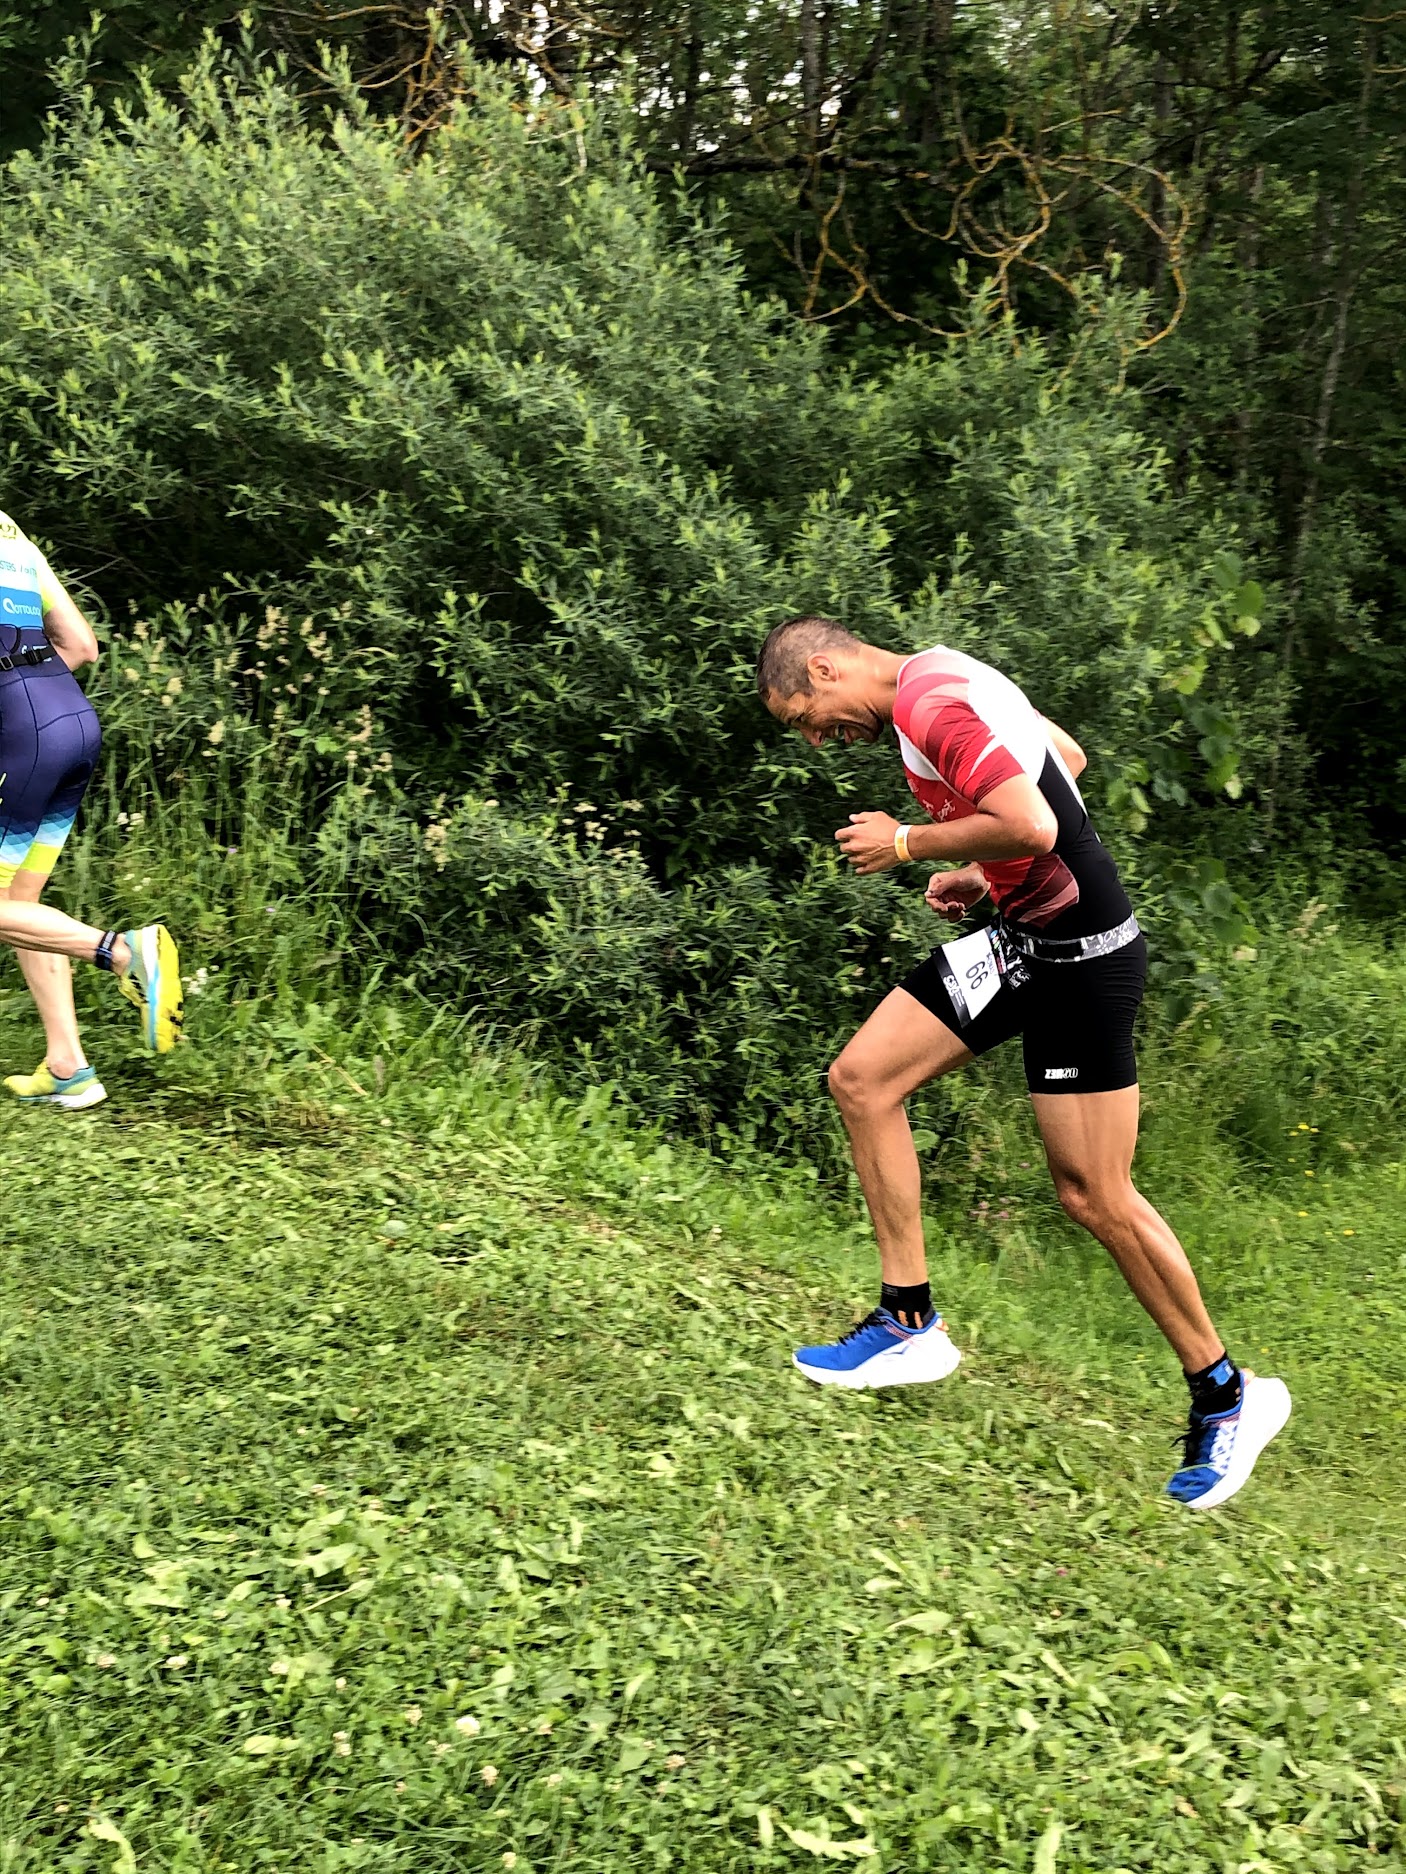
(424, 1484)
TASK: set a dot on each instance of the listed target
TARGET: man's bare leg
(1089, 1140)
(904, 1341)
(900, 1048)
(1089, 1143)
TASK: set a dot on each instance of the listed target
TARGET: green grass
(291, 1497)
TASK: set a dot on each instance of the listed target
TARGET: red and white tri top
(963, 729)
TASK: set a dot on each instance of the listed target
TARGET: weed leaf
(834, 1850)
(102, 1830)
(1047, 1848)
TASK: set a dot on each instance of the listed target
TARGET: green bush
(437, 503)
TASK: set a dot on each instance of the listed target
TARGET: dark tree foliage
(126, 37)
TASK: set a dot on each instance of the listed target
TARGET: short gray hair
(782, 667)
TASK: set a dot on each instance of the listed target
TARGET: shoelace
(870, 1320)
(1206, 1441)
(877, 1317)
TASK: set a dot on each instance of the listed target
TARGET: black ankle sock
(102, 955)
(912, 1306)
(1216, 1389)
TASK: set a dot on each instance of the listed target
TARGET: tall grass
(336, 936)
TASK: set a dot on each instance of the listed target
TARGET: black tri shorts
(1074, 1019)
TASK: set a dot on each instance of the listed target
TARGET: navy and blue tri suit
(49, 734)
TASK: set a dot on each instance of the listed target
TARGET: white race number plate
(975, 974)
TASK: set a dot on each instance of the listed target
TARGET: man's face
(836, 709)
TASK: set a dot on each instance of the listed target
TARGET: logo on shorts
(1061, 1073)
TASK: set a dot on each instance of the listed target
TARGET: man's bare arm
(1014, 821)
(1070, 752)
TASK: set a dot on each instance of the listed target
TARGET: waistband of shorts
(1070, 949)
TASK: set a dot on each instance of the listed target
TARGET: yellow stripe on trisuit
(40, 859)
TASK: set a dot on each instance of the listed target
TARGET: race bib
(972, 973)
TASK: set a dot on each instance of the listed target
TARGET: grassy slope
(283, 1469)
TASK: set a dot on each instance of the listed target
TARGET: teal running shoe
(42, 1088)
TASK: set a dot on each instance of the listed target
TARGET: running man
(1062, 965)
(49, 742)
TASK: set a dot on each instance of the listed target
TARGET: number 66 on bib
(972, 973)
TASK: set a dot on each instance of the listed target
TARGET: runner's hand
(867, 842)
(952, 894)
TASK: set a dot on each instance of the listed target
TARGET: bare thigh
(900, 1048)
(1089, 1137)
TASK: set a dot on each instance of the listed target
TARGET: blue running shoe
(881, 1352)
(1219, 1453)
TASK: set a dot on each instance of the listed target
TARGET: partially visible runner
(49, 742)
(1062, 964)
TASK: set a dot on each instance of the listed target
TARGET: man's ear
(822, 668)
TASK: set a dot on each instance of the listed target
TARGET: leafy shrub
(415, 483)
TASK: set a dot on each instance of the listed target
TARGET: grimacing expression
(834, 711)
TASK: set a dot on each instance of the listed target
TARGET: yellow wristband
(900, 843)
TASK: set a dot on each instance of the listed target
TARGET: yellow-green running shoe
(152, 983)
(41, 1088)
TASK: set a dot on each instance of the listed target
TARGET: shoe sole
(163, 1002)
(92, 1095)
(857, 1381)
(1263, 1415)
